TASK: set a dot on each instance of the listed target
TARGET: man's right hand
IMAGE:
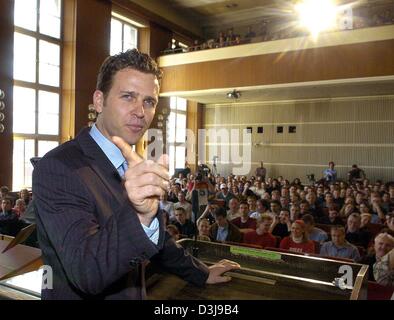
(145, 181)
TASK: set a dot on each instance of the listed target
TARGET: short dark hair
(130, 59)
(220, 212)
(307, 218)
(182, 209)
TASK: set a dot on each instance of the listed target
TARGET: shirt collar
(112, 152)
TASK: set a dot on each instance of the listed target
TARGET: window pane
(181, 104)
(116, 36)
(46, 146)
(173, 103)
(22, 168)
(130, 37)
(48, 113)
(50, 17)
(172, 160)
(24, 110)
(25, 14)
(24, 57)
(171, 127)
(49, 63)
(181, 128)
(180, 157)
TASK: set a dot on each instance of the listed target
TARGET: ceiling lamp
(234, 94)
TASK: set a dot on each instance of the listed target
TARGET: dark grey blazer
(89, 232)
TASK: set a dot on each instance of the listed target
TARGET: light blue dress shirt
(114, 155)
(222, 233)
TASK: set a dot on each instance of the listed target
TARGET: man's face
(251, 203)
(311, 198)
(353, 224)
(6, 205)
(338, 237)
(129, 107)
(180, 216)
(332, 214)
(203, 228)
(304, 207)
(274, 207)
(390, 222)
(221, 221)
(382, 246)
(181, 196)
(244, 209)
(284, 216)
(233, 204)
(264, 226)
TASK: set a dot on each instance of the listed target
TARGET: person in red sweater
(244, 222)
(298, 240)
(261, 236)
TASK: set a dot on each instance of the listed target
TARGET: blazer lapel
(101, 165)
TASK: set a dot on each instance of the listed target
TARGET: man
(261, 236)
(8, 218)
(244, 222)
(338, 246)
(281, 226)
(355, 174)
(223, 230)
(224, 194)
(330, 174)
(354, 234)
(182, 203)
(97, 201)
(261, 172)
(314, 233)
(262, 206)
(233, 212)
(186, 228)
(383, 244)
(167, 206)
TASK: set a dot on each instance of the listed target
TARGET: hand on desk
(145, 181)
(216, 271)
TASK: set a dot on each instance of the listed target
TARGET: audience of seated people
(269, 213)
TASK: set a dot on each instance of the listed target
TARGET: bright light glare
(317, 15)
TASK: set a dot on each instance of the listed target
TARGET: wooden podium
(17, 259)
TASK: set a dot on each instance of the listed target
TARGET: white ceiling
(299, 91)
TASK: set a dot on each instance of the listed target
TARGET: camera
(202, 172)
(311, 177)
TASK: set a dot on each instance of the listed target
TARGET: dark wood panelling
(6, 84)
(93, 31)
(159, 39)
(338, 62)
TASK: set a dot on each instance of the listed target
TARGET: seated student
(383, 244)
(186, 228)
(233, 212)
(332, 218)
(314, 233)
(281, 225)
(173, 231)
(203, 227)
(298, 240)
(244, 222)
(262, 206)
(9, 222)
(354, 234)
(261, 236)
(383, 270)
(338, 246)
(20, 207)
(223, 230)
